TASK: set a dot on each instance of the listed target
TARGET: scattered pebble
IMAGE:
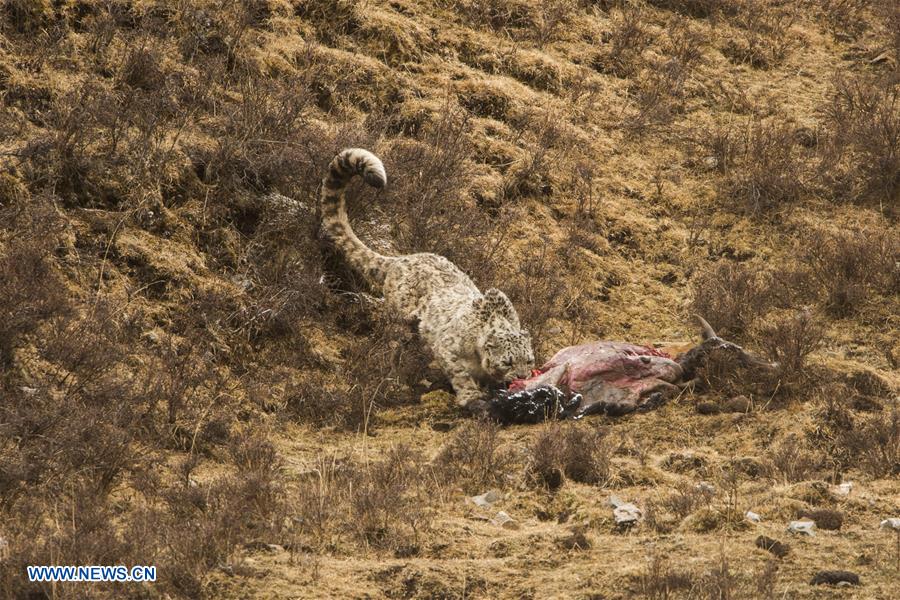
(486, 499)
(752, 516)
(4, 549)
(835, 578)
(625, 513)
(802, 527)
(777, 548)
(892, 523)
(505, 521)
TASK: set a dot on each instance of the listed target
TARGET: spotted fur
(476, 338)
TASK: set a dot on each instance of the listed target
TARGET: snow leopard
(475, 337)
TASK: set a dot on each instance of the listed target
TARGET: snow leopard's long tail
(347, 164)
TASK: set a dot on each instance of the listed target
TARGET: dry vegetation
(191, 380)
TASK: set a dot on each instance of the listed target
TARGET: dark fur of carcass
(543, 403)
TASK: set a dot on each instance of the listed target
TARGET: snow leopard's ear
(493, 305)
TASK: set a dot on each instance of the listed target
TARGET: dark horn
(708, 332)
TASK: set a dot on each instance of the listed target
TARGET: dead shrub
(388, 363)
(661, 582)
(333, 18)
(498, 14)
(788, 339)
(661, 87)
(385, 503)
(571, 451)
(848, 18)
(688, 497)
(762, 34)
(767, 580)
(547, 145)
(475, 459)
(587, 454)
(539, 288)
(860, 156)
(431, 211)
(545, 459)
(731, 296)
(849, 266)
(767, 170)
(28, 16)
(553, 16)
(628, 39)
(697, 8)
(318, 401)
(251, 151)
(792, 460)
(31, 289)
(874, 443)
(389, 500)
(717, 582)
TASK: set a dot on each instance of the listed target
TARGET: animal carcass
(613, 378)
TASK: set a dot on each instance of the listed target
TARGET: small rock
(625, 513)
(802, 528)
(892, 523)
(752, 516)
(768, 544)
(485, 500)
(505, 521)
(824, 518)
(738, 404)
(710, 162)
(28, 391)
(708, 408)
(835, 578)
(844, 489)
(4, 549)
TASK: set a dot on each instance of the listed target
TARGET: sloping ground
(189, 376)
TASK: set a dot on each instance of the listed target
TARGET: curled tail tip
(362, 162)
